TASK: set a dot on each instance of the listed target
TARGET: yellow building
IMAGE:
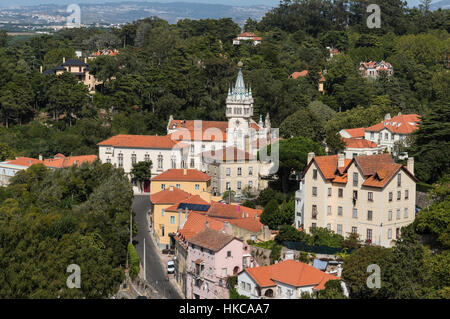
(191, 181)
(169, 208)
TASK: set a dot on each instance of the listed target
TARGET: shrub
(249, 204)
(133, 259)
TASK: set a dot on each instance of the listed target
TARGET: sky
(274, 3)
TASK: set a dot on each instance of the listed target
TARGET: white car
(170, 267)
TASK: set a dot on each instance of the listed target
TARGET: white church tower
(239, 113)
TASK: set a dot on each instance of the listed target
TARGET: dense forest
(186, 69)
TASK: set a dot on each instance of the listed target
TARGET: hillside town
(202, 160)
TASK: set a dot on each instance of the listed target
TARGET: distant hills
(444, 4)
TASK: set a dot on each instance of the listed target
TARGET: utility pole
(145, 273)
(131, 224)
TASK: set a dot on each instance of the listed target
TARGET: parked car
(170, 267)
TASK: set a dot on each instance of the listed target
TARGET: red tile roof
(356, 132)
(402, 124)
(60, 161)
(196, 222)
(328, 165)
(169, 196)
(24, 161)
(188, 175)
(141, 141)
(199, 130)
(359, 143)
(291, 272)
(194, 199)
(228, 211)
(211, 239)
(249, 223)
(296, 75)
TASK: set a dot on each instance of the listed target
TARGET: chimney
(40, 157)
(185, 172)
(41, 69)
(341, 160)
(387, 117)
(410, 165)
(310, 157)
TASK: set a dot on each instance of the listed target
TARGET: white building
(285, 280)
(247, 36)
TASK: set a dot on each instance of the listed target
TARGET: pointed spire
(240, 85)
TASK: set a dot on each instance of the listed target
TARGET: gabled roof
(328, 165)
(24, 161)
(60, 161)
(211, 239)
(169, 196)
(296, 75)
(356, 132)
(193, 203)
(401, 124)
(359, 143)
(370, 164)
(199, 130)
(141, 141)
(190, 175)
(196, 222)
(228, 211)
(290, 272)
(73, 62)
(249, 223)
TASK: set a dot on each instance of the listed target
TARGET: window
(203, 147)
(354, 230)
(389, 233)
(173, 161)
(228, 186)
(224, 272)
(239, 184)
(399, 195)
(192, 163)
(239, 171)
(133, 159)
(315, 173)
(120, 160)
(250, 184)
(355, 179)
(405, 215)
(340, 192)
(192, 149)
(329, 226)
(355, 213)
(160, 161)
(339, 210)
(339, 229)
(397, 233)
(147, 158)
(314, 191)
(406, 194)
(328, 210)
(386, 136)
(162, 212)
(355, 194)
(229, 253)
(108, 160)
(370, 196)
(398, 213)
(313, 225)
(178, 186)
(197, 187)
(390, 196)
(228, 171)
(390, 215)
(172, 220)
(399, 180)
(369, 234)
(329, 191)
(242, 285)
(279, 291)
(314, 212)
(162, 231)
(163, 186)
(369, 215)
(248, 287)
(372, 136)
(250, 171)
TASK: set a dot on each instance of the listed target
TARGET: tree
(5, 152)
(268, 194)
(141, 172)
(305, 123)
(293, 154)
(355, 273)
(270, 215)
(333, 290)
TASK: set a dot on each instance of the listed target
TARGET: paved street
(155, 273)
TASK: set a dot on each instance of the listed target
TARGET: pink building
(212, 257)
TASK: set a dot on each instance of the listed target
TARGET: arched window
(174, 161)
(160, 161)
(120, 160)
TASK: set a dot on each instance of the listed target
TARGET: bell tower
(239, 112)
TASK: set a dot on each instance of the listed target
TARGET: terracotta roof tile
(402, 124)
(196, 222)
(141, 141)
(296, 75)
(229, 211)
(63, 162)
(229, 154)
(191, 175)
(199, 130)
(211, 239)
(249, 223)
(356, 132)
(169, 196)
(359, 143)
(290, 272)
(24, 161)
(329, 164)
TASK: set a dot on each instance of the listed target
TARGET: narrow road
(155, 273)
